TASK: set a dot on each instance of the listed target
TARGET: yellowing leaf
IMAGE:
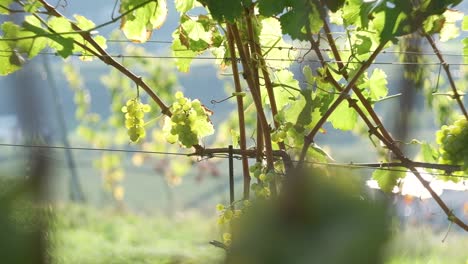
(139, 24)
(450, 30)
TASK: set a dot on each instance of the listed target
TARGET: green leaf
(294, 23)
(269, 8)
(84, 23)
(465, 23)
(202, 126)
(5, 3)
(378, 84)
(429, 153)
(363, 44)
(196, 31)
(7, 65)
(270, 38)
(30, 46)
(60, 25)
(184, 56)
(449, 29)
(286, 88)
(301, 111)
(317, 154)
(386, 179)
(32, 7)
(354, 12)
(224, 10)
(433, 24)
(139, 24)
(184, 5)
(344, 117)
(334, 5)
(465, 49)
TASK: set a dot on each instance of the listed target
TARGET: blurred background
(112, 202)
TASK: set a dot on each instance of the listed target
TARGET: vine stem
(388, 140)
(259, 63)
(456, 95)
(257, 101)
(268, 83)
(308, 139)
(106, 58)
(240, 112)
(342, 69)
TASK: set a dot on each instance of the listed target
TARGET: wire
(225, 156)
(292, 47)
(96, 149)
(266, 59)
(356, 166)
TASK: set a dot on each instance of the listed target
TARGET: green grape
(282, 135)
(129, 123)
(146, 108)
(196, 104)
(132, 132)
(270, 176)
(453, 143)
(186, 116)
(179, 95)
(134, 112)
(187, 106)
(171, 138)
(139, 114)
(182, 101)
(275, 137)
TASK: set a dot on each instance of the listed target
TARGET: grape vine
(288, 112)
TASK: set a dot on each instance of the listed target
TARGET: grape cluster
(264, 177)
(134, 112)
(280, 134)
(188, 122)
(453, 143)
(226, 214)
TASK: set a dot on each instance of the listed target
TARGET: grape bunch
(261, 188)
(280, 134)
(453, 143)
(134, 112)
(189, 122)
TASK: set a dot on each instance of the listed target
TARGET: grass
(89, 235)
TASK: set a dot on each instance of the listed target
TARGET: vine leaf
(183, 55)
(344, 117)
(387, 179)
(196, 31)
(363, 45)
(184, 5)
(378, 84)
(287, 90)
(139, 24)
(429, 153)
(301, 14)
(274, 47)
(434, 24)
(8, 65)
(5, 3)
(32, 46)
(224, 10)
(449, 29)
(465, 23)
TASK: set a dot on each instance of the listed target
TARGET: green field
(88, 235)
